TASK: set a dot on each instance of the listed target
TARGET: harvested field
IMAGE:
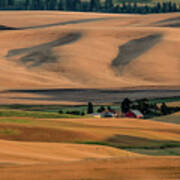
(35, 153)
(120, 168)
(122, 133)
(173, 118)
(64, 50)
(71, 58)
(88, 148)
(41, 134)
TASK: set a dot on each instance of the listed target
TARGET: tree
(147, 9)
(165, 7)
(60, 5)
(52, 4)
(124, 8)
(116, 9)
(129, 8)
(78, 5)
(67, 5)
(85, 6)
(95, 5)
(35, 4)
(143, 105)
(90, 108)
(10, 2)
(169, 7)
(73, 5)
(101, 109)
(2, 3)
(135, 7)
(121, 6)
(109, 109)
(61, 111)
(125, 105)
(46, 4)
(174, 7)
(27, 4)
(164, 109)
(108, 5)
(158, 8)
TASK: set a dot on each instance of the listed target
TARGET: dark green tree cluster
(165, 7)
(6, 3)
(90, 108)
(91, 6)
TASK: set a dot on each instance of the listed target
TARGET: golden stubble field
(85, 59)
(47, 50)
(58, 149)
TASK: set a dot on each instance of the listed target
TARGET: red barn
(134, 114)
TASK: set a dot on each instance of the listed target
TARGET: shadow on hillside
(42, 54)
(133, 49)
(93, 95)
(3, 28)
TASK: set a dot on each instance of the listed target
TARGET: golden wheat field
(64, 50)
(58, 149)
(72, 58)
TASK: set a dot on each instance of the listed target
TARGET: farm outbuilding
(134, 114)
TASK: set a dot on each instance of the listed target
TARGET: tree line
(108, 6)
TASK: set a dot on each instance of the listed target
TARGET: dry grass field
(55, 50)
(72, 58)
(33, 148)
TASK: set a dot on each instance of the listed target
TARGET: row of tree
(91, 6)
(148, 109)
(145, 106)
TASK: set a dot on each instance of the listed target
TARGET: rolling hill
(60, 50)
(40, 148)
(64, 57)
